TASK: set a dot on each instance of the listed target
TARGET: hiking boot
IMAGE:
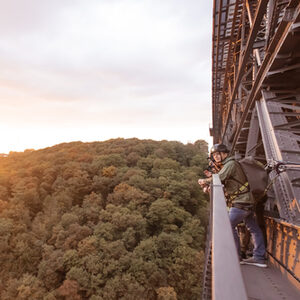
(255, 262)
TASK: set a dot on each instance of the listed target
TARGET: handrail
(227, 280)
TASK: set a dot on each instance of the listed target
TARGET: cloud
(108, 62)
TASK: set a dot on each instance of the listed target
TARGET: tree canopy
(120, 219)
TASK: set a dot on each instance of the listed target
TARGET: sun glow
(74, 71)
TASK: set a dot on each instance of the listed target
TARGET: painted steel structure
(256, 106)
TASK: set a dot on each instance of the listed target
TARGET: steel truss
(256, 93)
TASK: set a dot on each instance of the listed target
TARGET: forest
(120, 219)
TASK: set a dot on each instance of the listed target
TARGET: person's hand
(206, 189)
(202, 182)
(207, 173)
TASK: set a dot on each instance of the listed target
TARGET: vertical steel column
(282, 187)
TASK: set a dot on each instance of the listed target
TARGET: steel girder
(256, 59)
(256, 105)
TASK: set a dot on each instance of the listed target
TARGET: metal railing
(222, 273)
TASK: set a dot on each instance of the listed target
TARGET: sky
(78, 70)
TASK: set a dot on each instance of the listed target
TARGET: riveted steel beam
(270, 56)
(260, 11)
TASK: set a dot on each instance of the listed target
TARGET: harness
(242, 190)
(278, 166)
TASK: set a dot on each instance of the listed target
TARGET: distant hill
(120, 219)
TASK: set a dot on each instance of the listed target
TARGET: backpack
(256, 175)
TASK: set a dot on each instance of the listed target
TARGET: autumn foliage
(121, 219)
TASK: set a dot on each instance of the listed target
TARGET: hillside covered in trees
(121, 219)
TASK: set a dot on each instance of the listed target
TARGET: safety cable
(279, 166)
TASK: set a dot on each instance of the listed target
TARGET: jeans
(236, 216)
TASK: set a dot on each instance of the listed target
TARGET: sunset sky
(78, 70)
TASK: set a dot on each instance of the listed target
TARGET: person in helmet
(241, 201)
(218, 153)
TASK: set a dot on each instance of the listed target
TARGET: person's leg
(244, 236)
(236, 216)
(257, 236)
(259, 212)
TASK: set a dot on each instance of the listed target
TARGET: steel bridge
(256, 111)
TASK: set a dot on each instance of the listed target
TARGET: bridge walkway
(268, 284)
(224, 278)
